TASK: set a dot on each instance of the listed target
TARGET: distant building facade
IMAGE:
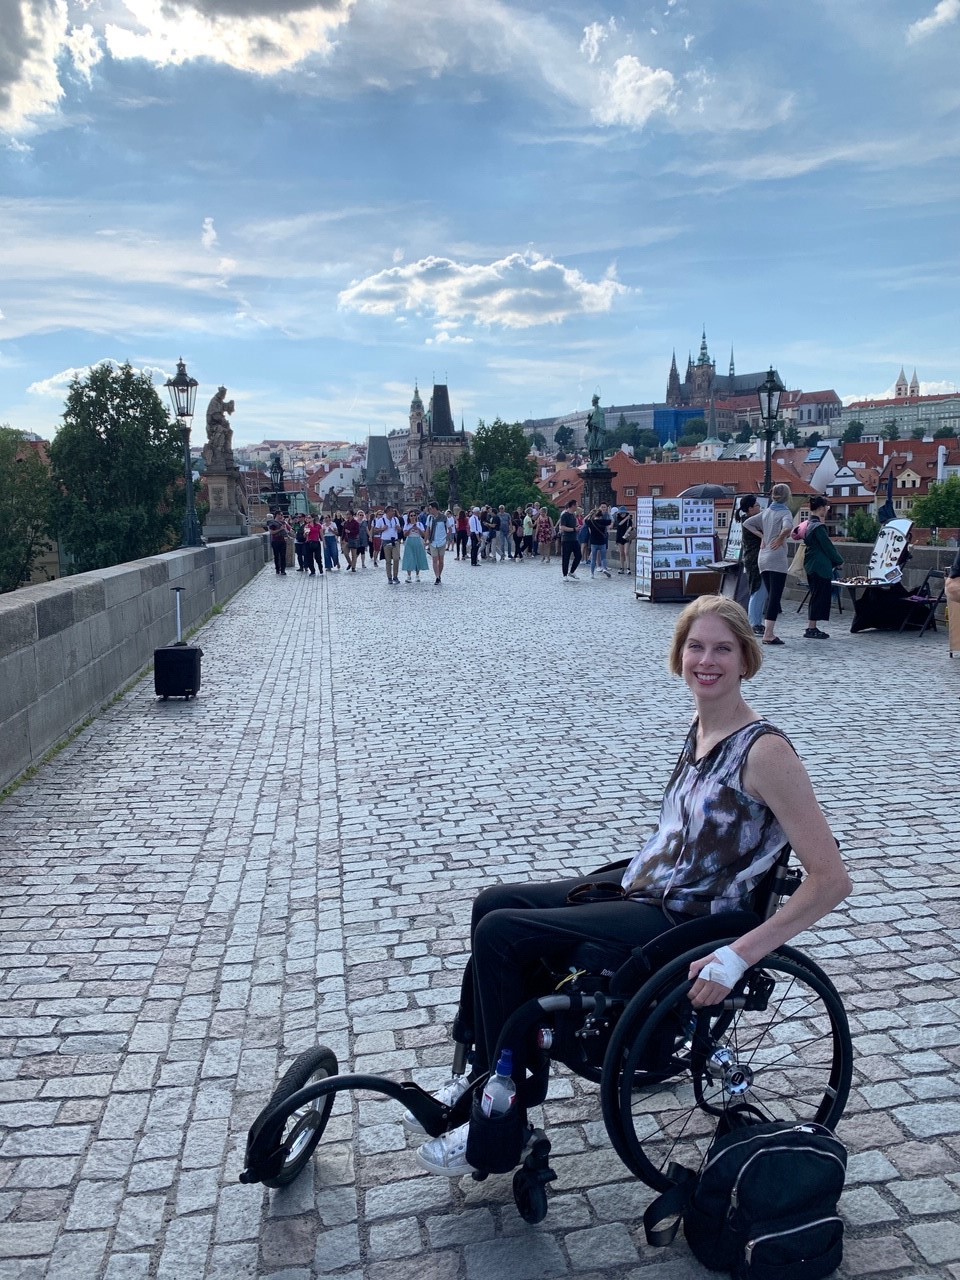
(907, 411)
(702, 385)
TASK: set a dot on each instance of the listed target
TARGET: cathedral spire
(733, 372)
(704, 353)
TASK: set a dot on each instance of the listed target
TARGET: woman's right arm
(754, 524)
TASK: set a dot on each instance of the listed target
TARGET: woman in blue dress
(414, 552)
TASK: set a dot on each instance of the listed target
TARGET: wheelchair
(670, 1076)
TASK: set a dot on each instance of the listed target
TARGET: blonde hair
(729, 612)
(781, 493)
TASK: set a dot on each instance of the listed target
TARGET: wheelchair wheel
(303, 1128)
(672, 1072)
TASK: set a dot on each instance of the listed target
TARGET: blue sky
(318, 205)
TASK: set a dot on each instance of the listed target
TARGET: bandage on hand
(726, 968)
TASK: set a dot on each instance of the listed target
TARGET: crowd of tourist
(416, 542)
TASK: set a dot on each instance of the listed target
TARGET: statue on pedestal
(225, 493)
(219, 446)
(596, 434)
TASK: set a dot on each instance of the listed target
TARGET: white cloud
(444, 338)
(947, 11)
(594, 36)
(516, 292)
(58, 384)
(248, 37)
(85, 49)
(208, 235)
(632, 93)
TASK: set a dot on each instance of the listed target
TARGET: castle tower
(914, 386)
(417, 415)
(902, 389)
(705, 371)
(673, 383)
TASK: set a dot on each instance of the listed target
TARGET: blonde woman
(773, 525)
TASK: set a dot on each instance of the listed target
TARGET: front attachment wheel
(303, 1128)
(670, 1077)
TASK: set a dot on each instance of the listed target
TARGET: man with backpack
(436, 540)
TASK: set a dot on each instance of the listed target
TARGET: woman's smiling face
(712, 661)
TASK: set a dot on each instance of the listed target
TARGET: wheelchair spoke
(790, 1059)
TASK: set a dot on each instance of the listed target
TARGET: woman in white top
(773, 526)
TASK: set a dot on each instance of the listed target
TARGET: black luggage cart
(176, 667)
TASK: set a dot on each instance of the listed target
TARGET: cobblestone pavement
(195, 892)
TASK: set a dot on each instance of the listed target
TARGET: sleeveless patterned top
(714, 842)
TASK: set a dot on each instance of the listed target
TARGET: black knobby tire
(791, 1059)
(304, 1128)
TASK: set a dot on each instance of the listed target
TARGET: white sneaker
(451, 1092)
(447, 1154)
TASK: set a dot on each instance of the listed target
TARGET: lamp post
(484, 477)
(769, 394)
(183, 396)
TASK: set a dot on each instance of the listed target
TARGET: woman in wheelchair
(738, 795)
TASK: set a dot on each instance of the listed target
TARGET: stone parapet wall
(66, 647)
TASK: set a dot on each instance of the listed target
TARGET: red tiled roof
(902, 400)
(673, 477)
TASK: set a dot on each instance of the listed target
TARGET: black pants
(474, 547)
(774, 582)
(518, 546)
(569, 548)
(461, 543)
(312, 558)
(516, 927)
(821, 595)
(301, 549)
(279, 556)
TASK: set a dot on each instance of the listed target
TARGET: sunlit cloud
(946, 12)
(516, 292)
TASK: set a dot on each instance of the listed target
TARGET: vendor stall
(676, 548)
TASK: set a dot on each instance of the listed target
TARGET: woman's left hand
(714, 977)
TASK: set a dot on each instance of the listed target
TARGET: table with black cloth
(881, 607)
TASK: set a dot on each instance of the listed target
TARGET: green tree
(863, 527)
(24, 508)
(890, 431)
(812, 439)
(693, 431)
(563, 437)
(853, 433)
(944, 433)
(791, 434)
(441, 488)
(116, 465)
(538, 440)
(917, 433)
(940, 508)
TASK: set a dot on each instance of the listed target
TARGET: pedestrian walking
(516, 528)
(331, 544)
(463, 533)
(388, 526)
(528, 532)
(278, 530)
(300, 543)
(820, 559)
(314, 533)
(773, 525)
(451, 522)
(363, 538)
(543, 533)
(748, 507)
(569, 545)
(502, 540)
(414, 552)
(351, 533)
(436, 540)
(475, 526)
(598, 524)
(623, 533)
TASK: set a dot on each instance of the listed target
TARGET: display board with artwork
(675, 547)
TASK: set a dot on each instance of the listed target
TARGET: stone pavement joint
(195, 892)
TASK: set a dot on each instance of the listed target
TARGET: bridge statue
(596, 433)
(226, 517)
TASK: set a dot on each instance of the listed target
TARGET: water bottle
(499, 1093)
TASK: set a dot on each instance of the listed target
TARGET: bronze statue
(219, 434)
(596, 433)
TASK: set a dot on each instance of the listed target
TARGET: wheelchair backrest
(779, 882)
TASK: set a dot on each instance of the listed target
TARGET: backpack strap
(669, 1205)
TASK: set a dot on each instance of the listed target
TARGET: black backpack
(764, 1204)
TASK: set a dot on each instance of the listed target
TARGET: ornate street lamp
(484, 477)
(183, 397)
(769, 394)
